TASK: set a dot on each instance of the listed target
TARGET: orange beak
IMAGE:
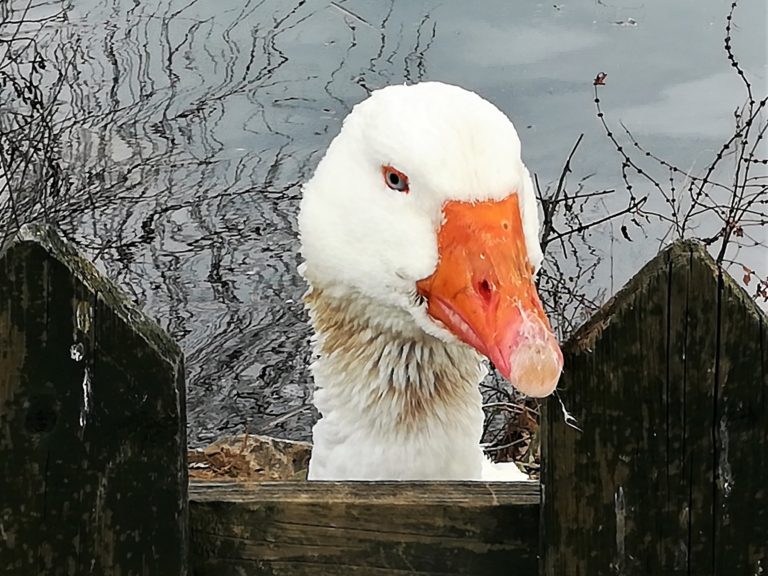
(483, 292)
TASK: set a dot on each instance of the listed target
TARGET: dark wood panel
(371, 528)
(92, 427)
(667, 473)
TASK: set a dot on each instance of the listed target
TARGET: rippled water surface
(190, 125)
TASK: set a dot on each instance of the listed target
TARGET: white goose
(419, 237)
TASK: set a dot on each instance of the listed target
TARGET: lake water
(188, 126)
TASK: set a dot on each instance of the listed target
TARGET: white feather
(364, 247)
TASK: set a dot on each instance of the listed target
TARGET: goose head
(423, 206)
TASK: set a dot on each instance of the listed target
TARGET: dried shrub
(31, 174)
(725, 206)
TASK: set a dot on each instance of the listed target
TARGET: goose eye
(395, 180)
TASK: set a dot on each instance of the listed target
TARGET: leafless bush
(725, 206)
(31, 177)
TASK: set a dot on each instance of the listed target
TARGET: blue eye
(395, 180)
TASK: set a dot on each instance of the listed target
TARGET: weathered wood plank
(92, 425)
(741, 437)
(364, 528)
(670, 473)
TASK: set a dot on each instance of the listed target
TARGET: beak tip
(534, 367)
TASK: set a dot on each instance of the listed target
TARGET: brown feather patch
(396, 367)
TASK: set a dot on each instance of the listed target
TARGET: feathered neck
(396, 402)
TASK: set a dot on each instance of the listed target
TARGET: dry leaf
(600, 79)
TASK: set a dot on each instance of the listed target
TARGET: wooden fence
(667, 473)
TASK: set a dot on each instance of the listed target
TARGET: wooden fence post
(92, 422)
(669, 473)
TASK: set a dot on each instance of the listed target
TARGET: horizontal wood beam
(364, 528)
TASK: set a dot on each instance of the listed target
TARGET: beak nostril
(485, 289)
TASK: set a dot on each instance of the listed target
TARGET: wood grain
(92, 426)
(668, 474)
(364, 528)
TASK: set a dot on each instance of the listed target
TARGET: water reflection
(188, 126)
